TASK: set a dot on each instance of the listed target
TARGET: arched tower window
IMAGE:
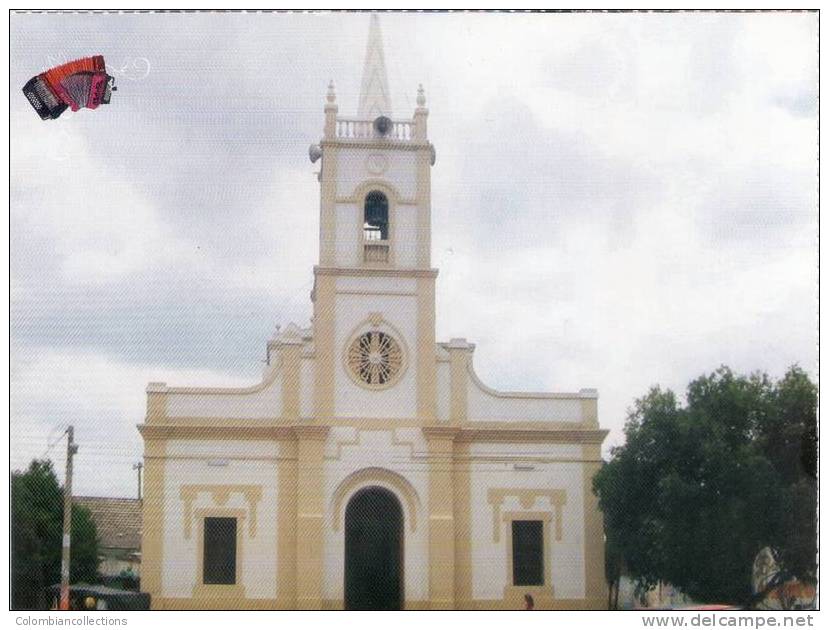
(376, 217)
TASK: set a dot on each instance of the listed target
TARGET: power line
(52, 445)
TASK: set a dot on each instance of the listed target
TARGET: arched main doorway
(373, 551)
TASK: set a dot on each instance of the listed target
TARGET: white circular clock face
(377, 163)
(375, 359)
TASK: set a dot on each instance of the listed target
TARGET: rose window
(375, 358)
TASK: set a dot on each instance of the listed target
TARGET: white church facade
(371, 468)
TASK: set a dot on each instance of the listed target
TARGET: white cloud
(99, 228)
(290, 229)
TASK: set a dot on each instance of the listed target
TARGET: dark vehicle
(95, 597)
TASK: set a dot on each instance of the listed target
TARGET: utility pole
(71, 449)
(138, 467)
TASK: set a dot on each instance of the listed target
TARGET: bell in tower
(375, 206)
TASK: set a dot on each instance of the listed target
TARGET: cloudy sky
(618, 201)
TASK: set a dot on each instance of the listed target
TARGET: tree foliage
(698, 490)
(37, 534)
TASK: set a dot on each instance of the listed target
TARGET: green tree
(698, 490)
(37, 531)
(788, 438)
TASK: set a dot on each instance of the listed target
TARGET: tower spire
(375, 99)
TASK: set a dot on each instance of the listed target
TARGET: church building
(371, 468)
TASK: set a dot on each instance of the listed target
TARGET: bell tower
(374, 284)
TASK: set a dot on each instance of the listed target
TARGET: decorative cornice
(382, 272)
(573, 436)
(526, 425)
(240, 430)
(311, 431)
(527, 497)
(220, 495)
(379, 143)
(441, 433)
(216, 432)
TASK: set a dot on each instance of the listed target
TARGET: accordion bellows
(74, 85)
